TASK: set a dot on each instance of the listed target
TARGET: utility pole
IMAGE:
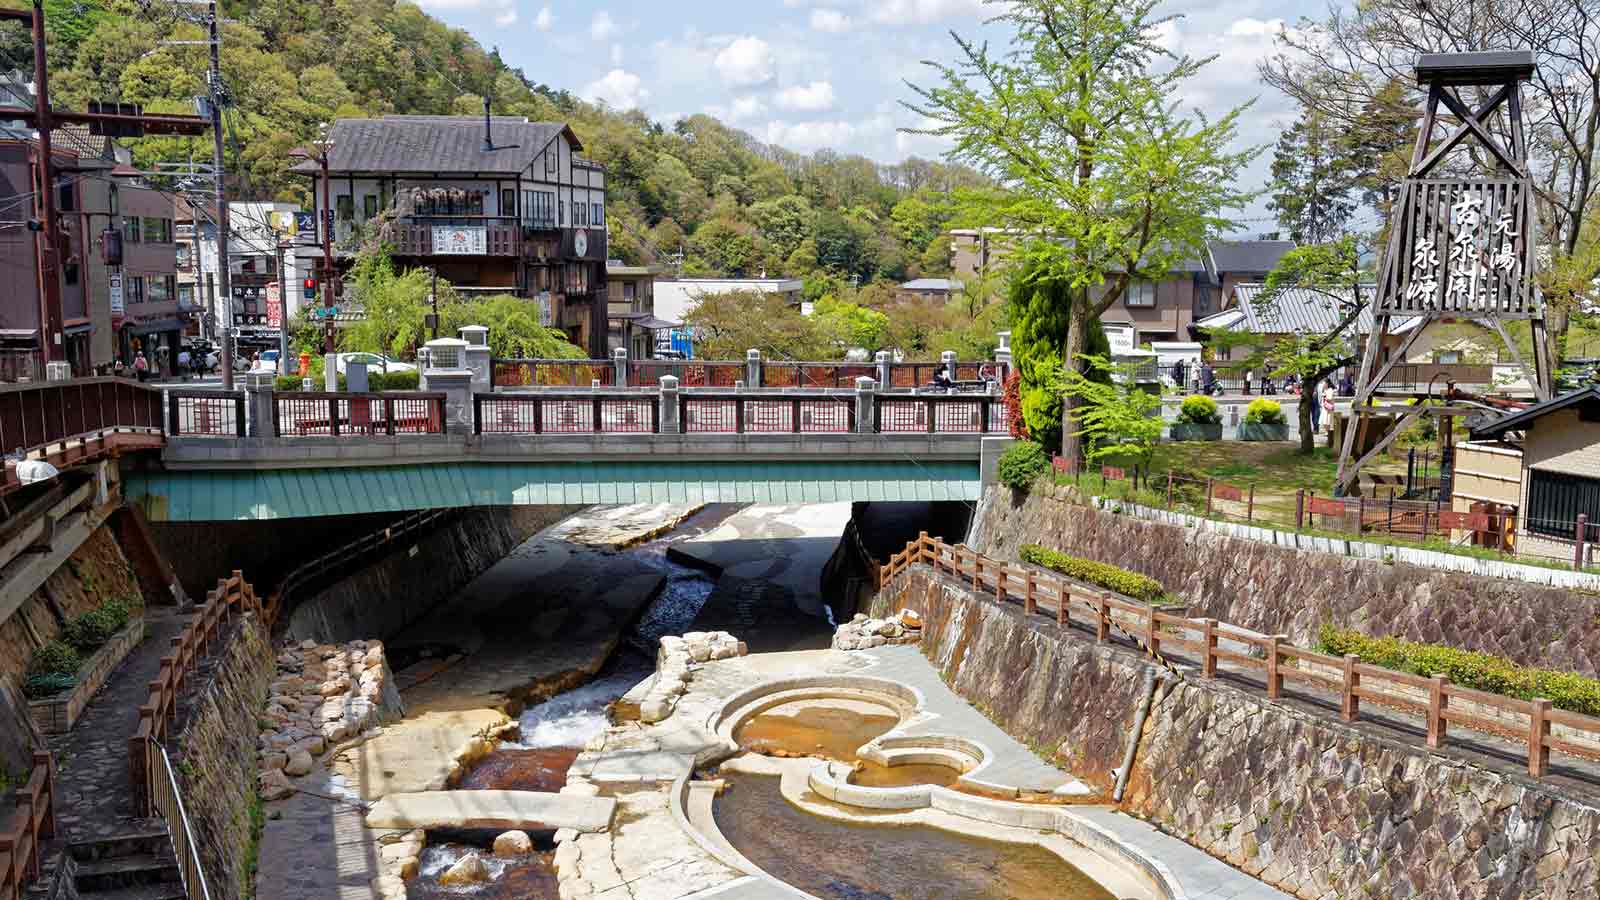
(283, 312)
(323, 147)
(214, 80)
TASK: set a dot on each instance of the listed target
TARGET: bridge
(527, 436)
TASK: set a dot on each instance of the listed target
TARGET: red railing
(38, 414)
(205, 413)
(553, 372)
(33, 820)
(551, 413)
(689, 372)
(815, 375)
(937, 414)
(315, 413)
(738, 414)
(1212, 644)
(159, 712)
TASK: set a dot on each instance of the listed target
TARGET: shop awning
(155, 326)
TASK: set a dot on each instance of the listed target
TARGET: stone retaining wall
(1317, 808)
(381, 599)
(1280, 590)
(217, 767)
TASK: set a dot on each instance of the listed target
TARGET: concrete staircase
(130, 867)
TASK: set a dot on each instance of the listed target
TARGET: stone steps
(135, 866)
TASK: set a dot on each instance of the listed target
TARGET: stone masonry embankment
(1317, 808)
(217, 765)
(1279, 590)
(418, 575)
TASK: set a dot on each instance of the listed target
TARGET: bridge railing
(734, 413)
(30, 823)
(314, 413)
(754, 371)
(201, 413)
(1346, 681)
(553, 373)
(36, 415)
(588, 412)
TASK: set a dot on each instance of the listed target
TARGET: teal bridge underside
(211, 495)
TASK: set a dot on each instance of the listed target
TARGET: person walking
(141, 367)
(184, 364)
(1316, 410)
(1327, 409)
(1248, 374)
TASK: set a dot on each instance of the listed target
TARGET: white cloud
(808, 137)
(814, 97)
(1255, 28)
(830, 20)
(507, 16)
(746, 62)
(545, 19)
(619, 89)
(923, 12)
(928, 146)
(602, 27)
(742, 109)
(616, 54)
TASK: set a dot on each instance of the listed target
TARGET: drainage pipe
(1138, 731)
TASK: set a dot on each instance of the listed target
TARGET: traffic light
(310, 286)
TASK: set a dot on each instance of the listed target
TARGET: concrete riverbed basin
(502, 810)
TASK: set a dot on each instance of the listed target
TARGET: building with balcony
(503, 206)
(631, 310)
(257, 230)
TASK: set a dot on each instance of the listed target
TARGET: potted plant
(1198, 420)
(1264, 421)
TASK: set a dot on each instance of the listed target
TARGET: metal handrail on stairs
(167, 802)
(305, 572)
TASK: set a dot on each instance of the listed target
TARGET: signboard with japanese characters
(118, 307)
(1462, 249)
(459, 240)
(274, 305)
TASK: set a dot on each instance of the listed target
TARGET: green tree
(845, 245)
(732, 322)
(1108, 181)
(784, 222)
(514, 329)
(393, 303)
(1040, 312)
(1311, 181)
(851, 325)
(1115, 418)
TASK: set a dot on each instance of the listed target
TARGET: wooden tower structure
(1459, 247)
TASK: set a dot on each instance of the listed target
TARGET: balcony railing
(456, 236)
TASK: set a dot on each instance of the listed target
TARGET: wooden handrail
(159, 711)
(33, 820)
(1074, 604)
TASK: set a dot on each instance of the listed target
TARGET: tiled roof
(436, 144)
(1248, 256)
(1296, 310)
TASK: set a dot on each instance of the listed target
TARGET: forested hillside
(729, 204)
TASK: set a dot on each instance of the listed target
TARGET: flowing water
(553, 733)
(886, 862)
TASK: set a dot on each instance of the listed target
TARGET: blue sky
(813, 74)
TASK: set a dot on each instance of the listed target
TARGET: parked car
(376, 362)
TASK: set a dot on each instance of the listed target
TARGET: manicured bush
(376, 381)
(1139, 587)
(1023, 464)
(54, 658)
(1264, 412)
(1481, 671)
(1016, 423)
(1199, 410)
(91, 630)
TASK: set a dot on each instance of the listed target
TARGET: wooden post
(1063, 597)
(1274, 680)
(1577, 542)
(1424, 522)
(1350, 706)
(1208, 658)
(1210, 483)
(922, 546)
(1538, 731)
(1361, 514)
(1102, 628)
(1169, 490)
(977, 570)
(1029, 604)
(1300, 508)
(1250, 510)
(1436, 704)
(1000, 576)
(1152, 634)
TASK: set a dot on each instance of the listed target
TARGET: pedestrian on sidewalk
(1327, 409)
(183, 364)
(141, 367)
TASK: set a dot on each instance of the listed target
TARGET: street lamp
(318, 151)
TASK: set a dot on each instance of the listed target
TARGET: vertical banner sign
(305, 228)
(118, 306)
(274, 305)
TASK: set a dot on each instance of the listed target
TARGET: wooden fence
(1527, 722)
(33, 820)
(158, 713)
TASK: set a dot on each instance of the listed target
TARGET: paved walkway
(1011, 764)
(1201, 876)
(92, 782)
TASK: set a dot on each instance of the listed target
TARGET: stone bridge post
(948, 360)
(619, 363)
(885, 372)
(752, 368)
(667, 410)
(475, 356)
(866, 395)
(258, 393)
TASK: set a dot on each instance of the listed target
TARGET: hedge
(1480, 671)
(376, 381)
(1264, 412)
(1199, 410)
(90, 631)
(1132, 584)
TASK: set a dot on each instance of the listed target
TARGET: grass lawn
(1276, 468)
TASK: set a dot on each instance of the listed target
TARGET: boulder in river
(469, 869)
